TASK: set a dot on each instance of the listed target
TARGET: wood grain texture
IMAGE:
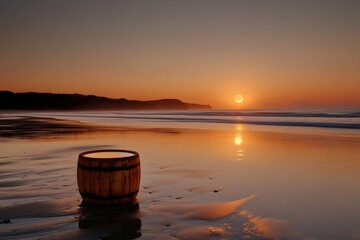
(103, 181)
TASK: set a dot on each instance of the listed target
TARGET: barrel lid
(109, 154)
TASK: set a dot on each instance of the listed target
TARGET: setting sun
(238, 99)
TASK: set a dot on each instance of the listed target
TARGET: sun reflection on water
(238, 141)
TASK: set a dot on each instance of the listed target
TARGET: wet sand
(237, 182)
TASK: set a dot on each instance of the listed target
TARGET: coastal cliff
(51, 101)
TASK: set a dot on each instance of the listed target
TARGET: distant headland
(56, 101)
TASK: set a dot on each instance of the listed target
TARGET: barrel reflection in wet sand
(117, 222)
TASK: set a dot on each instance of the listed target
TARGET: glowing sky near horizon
(277, 54)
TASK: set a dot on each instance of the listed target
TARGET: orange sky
(277, 54)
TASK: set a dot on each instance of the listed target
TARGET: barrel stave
(108, 181)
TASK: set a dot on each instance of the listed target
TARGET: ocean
(346, 119)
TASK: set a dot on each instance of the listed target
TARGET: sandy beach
(212, 181)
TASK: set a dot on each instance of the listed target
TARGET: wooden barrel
(108, 176)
